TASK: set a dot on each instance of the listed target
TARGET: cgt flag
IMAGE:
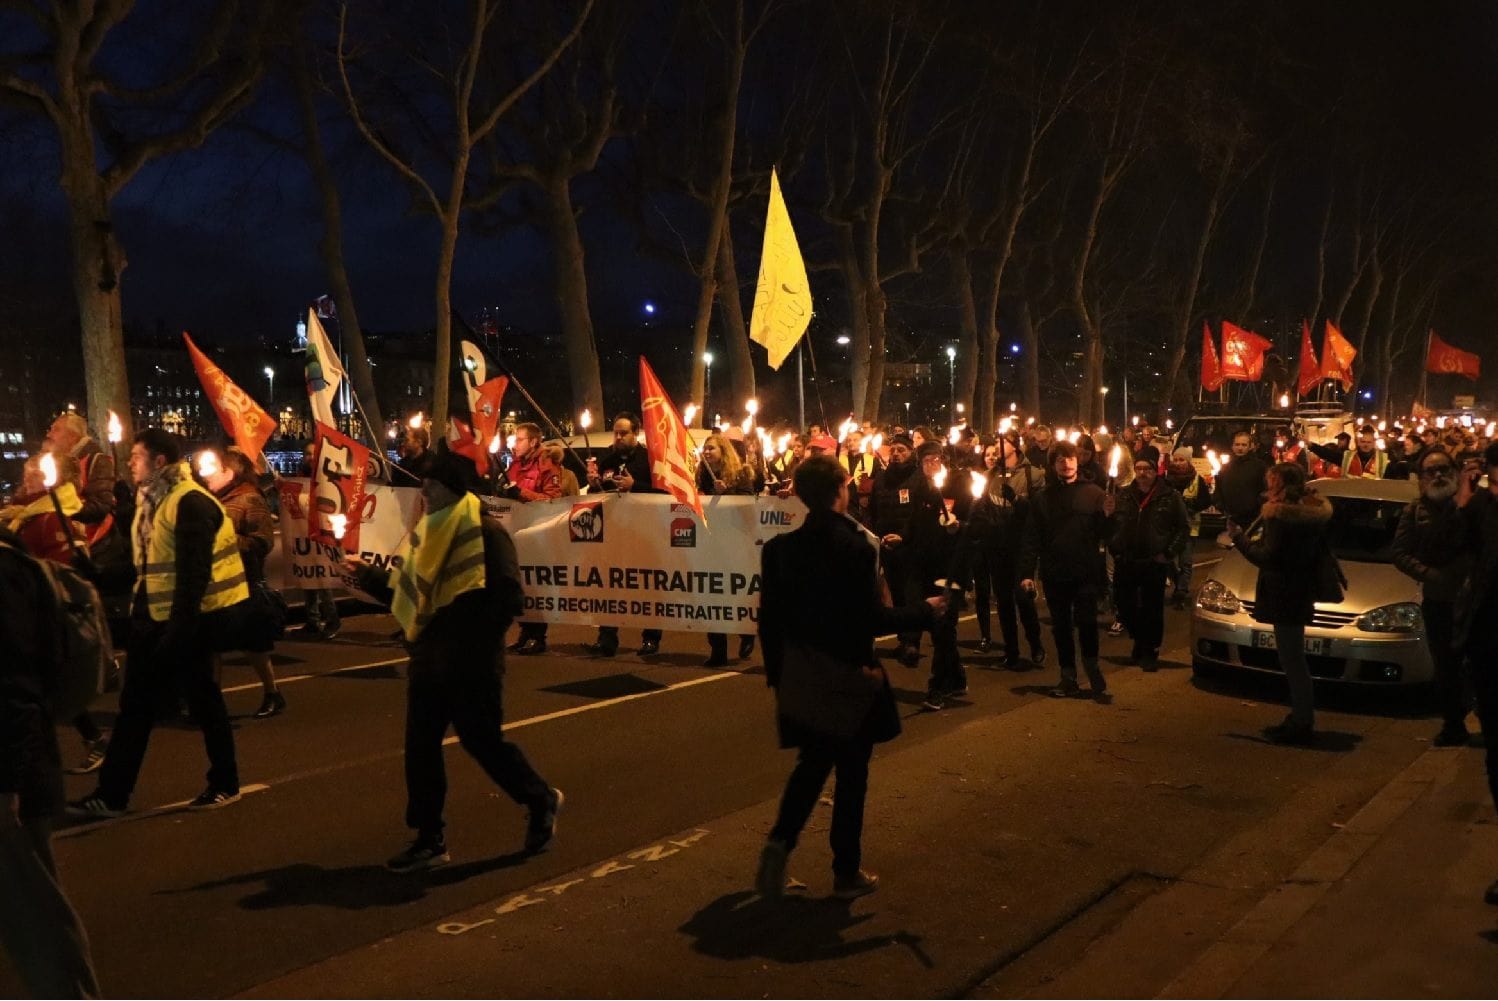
(1337, 354)
(249, 425)
(1310, 368)
(340, 469)
(1443, 359)
(1242, 353)
(782, 301)
(666, 440)
(1211, 367)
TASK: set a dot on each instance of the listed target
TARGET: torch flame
(416, 421)
(1214, 462)
(978, 485)
(49, 470)
(878, 441)
(940, 479)
(751, 406)
(494, 444)
(953, 434)
(747, 424)
(585, 419)
(208, 464)
(686, 415)
(782, 443)
(116, 429)
(1005, 425)
(1169, 423)
(1114, 455)
(339, 522)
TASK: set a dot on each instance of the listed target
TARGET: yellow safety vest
(443, 559)
(1374, 472)
(226, 585)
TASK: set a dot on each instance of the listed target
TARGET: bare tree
(476, 109)
(54, 62)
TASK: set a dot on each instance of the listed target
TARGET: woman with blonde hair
(721, 472)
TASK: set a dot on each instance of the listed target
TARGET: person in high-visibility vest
(454, 594)
(1367, 461)
(190, 578)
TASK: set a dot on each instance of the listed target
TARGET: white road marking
(155, 811)
(303, 677)
(1207, 563)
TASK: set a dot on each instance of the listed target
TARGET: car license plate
(1316, 645)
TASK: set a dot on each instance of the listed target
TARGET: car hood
(1369, 585)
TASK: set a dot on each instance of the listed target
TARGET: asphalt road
(185, 904)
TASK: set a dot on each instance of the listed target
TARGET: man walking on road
(454, 594)
(820, 609)
(190, 577)
(1431, 546)
(1151, 524)
(1063, 538)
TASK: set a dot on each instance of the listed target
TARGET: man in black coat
(897, 487)
(1151, 523)
(1477, 609)
(1063, 538)
(38, 926)
(1239, 489)
(624, 468)
(820, 608)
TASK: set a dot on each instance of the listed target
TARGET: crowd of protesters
(904, 525)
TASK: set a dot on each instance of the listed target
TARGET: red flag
(485, 405)
(340, 468)
(1211, 367)
(1337, 354)
(461, 440)
(667, 441)
(1444, 359)
(1242, 353)
(1310, 368)
(249, 426)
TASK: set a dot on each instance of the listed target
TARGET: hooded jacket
(1064, 533)
(1430, 545)
(1286, 543)
(1149, 524)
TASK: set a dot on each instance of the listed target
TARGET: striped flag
(667, 442)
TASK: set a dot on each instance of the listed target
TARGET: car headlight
(1401, 618)
(1215, 596)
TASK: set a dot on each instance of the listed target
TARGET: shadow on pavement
(349, 888)
(1333, 741)
(793, 929)
(1392, 702)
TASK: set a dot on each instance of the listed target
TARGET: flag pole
(800, 388)
(504, 370)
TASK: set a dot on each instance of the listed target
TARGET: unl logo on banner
(585, 524)
(683, 533)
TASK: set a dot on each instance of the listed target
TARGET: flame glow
(1214, 462)
(116, 429)
(494, 444)
(49, 470)
(339, 523)
(686, 415)
(978, 485)
(510, 443)
(1113, 458)
(585, 419)
(751, 406)
(416, 421)
(878, 441)
(208, 463)
(940, 479)
(953, 434)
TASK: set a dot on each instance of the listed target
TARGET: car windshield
(1216, 433)
(1362, 529)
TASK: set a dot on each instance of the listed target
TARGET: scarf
(147, 499)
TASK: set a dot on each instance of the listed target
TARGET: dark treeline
(1064, 191)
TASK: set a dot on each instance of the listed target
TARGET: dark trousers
(1139, 586)
(804, 787)
(536, 631)
(1073, 606)
(904, 588)
(1440, 629)
(1484, 670)
(152, 684)
(38, 926)
(995, 575)
(465, 692)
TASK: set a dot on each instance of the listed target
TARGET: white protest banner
(644, 560)
(387, 514)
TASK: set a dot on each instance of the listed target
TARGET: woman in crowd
(721, 472)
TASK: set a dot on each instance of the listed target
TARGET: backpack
(84, 652)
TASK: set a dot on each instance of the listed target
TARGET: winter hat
(1183, 452)
(450, 469)
(902, 439)
(929, 448)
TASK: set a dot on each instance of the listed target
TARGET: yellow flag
(782, 301)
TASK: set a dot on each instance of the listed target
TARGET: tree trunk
(984, 405)
(331, 248)
(735, 332)
(967, 339)
(1029, 362)
(98, 261)
(442, 359)
(1186, 310)
(572, 298)
(858, 312)
(1089, 408)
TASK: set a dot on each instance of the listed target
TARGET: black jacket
(1064, 533)
(893, 500)
(1240, 487)
(1149, 525)
(198, 519)
(821, 590)
(1430, 545)
(1286, 543)
(1478, 602)
(635, 461)
(30, 765)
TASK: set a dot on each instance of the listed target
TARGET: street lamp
(952, 379)
(1104, 391)
(707, 392)
(270, 378)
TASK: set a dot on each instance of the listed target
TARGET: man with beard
(1151, 524)
(1039, 446)
(891, 506)
(624, 468)
(415, 451)
(1431, 547)
(1147, 449)
(1183, 478)
(1068, 522)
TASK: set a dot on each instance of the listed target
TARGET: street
(1000, 825)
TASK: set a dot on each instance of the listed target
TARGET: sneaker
(1290, 733)
(909, 656)
(423, 853)
(93, 756)
(1149, 661)
(716, 660)
(649, 648)
(985, 644)
(1066, 690)
(330, 630)
(532, 647)
(274, 704)
(1181, 601)
(1116, 629)
(213, 799)
(769, 881)
(857, 885)
(542, 829)
(933, 702)
(94, 808)
(1451, 736)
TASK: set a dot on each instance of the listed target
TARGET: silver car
(1374, 636)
